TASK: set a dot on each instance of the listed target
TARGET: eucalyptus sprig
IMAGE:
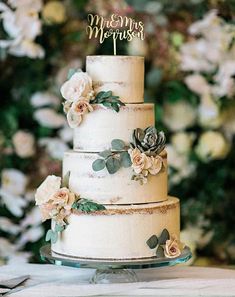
(86, 205)
(108, 100)
(52, 235)
(157, 242)
(113, 159)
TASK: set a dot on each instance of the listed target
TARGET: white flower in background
(209, 113)
(212, 145)
(179, 115)
(24, 144)
(197, 83)
(48, 117)
(23, 26)
(32, 218)
(6, 225)
(180, 162)
(224, 79)
(40, 99)
(137, 47)
(54, 12)
(15, 204)
(18, 258)
(182, 142)
(14, 181)
(193, 56)
(66, 134)
(32, 234)
(78, 86)
(55, 147)
(47, 189)
(27, 48)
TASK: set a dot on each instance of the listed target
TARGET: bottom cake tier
(119, 232)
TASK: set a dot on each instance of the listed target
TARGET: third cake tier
(117, 188)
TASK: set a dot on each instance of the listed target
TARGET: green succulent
(148, 141)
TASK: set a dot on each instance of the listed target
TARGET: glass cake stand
(112, 271)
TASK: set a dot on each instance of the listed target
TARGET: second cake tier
(117, 188)
(101, 126)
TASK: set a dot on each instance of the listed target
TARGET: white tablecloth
(59, 281)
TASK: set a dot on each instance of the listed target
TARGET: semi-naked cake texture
(119, 232)
(100, 127)
(124, 75)
(108, 212)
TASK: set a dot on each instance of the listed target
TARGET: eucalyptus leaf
(48, 235)
(160, 252)
(115, 107)
(113, 165)
(59, 228)
(152, 242)
(107, 104)
(164, 236)
(125, 159)
(105, 154)
(65, 181)
(54, 237)
(117, 144)
(98, 164)
(71, 72)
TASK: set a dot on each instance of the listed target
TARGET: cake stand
(112, 271)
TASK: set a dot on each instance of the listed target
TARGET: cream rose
(79, 85)
(78, 108)
(24, 144)
(212, 145)
(63, 198)
(172, 248)
(140, 162)
(47, 189)
(156, 165)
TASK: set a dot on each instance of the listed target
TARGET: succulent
(148, 141)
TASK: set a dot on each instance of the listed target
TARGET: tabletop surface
(59, 281)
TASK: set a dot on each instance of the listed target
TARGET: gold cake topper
(117, 26)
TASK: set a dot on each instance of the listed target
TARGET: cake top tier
(123, 75)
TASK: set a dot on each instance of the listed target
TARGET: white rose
(209, 113)
(40, 99)
(212, 145)
(179, 115)
(182, 142)
(156, 165)
(79, 85)
(54, 12)
(24, 144)
(47, 189)
(197, 83)
(47, 117)
(14, 181)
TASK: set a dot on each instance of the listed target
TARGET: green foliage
(52, 235)
(87, 206)
(152, 242)
(118, 144)
(108, 100)
(98, 164)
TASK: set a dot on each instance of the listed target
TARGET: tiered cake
(136, 214)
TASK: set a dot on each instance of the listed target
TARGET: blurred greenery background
(189, 51)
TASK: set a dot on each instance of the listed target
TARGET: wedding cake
(112, 202)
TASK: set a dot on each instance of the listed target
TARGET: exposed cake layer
(115, 188)
(123, 75)
(120, 232)
(101, 126)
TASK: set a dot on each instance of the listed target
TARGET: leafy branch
(108, 100)
(157, 242)
(113, 159)
(86, 205)
(52, 235)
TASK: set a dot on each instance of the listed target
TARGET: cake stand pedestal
(112, 271)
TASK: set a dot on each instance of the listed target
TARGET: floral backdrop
(189, 52)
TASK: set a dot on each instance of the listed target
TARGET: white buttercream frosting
(103, 125)
(120, 235)
(117, 188)
(123, 75)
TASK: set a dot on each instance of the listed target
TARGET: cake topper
(118, 27)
